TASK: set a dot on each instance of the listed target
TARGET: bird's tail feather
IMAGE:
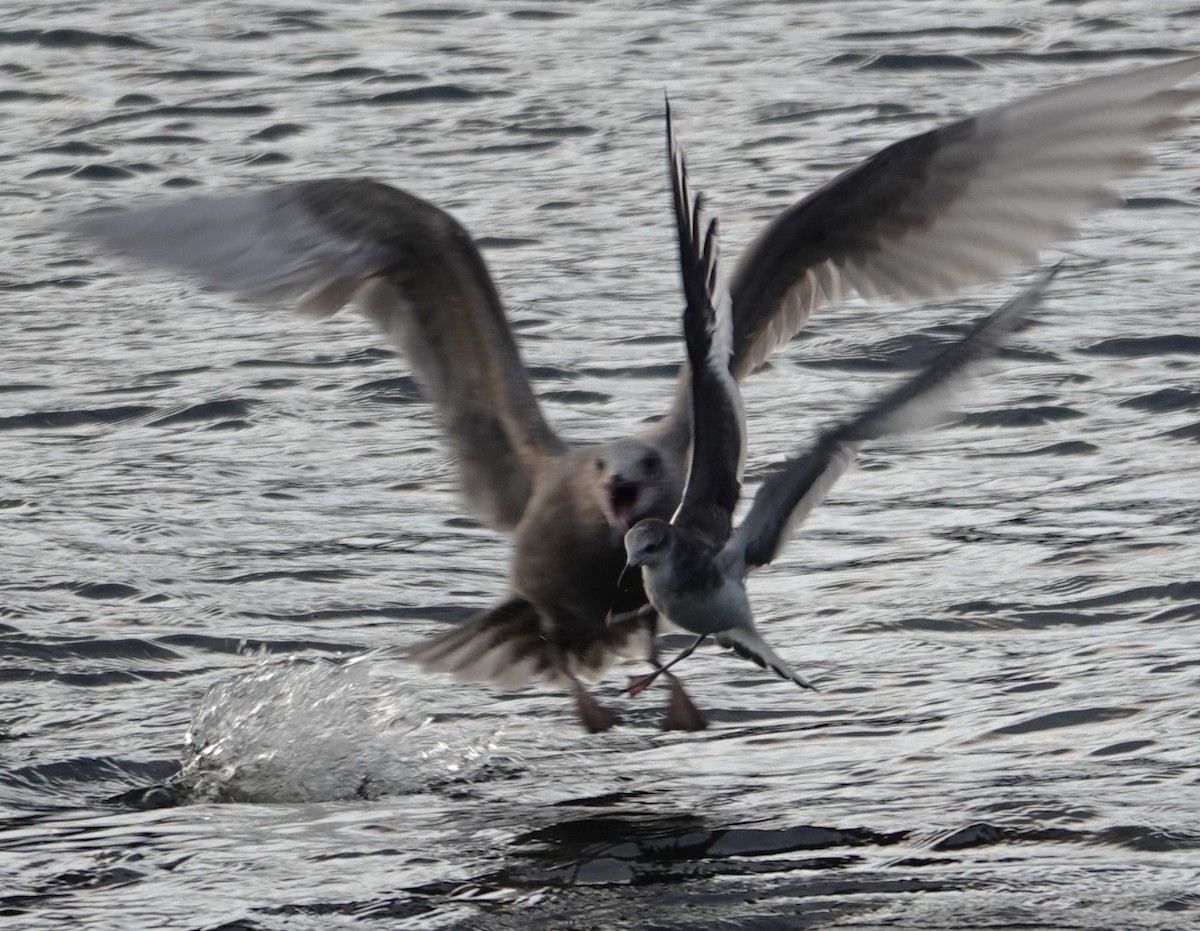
(507, 646)
(747, 643)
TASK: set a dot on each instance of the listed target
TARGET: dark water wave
(40, 420)
(66, 38)
(1136, 347)
(1165, 399)
(225, 412)
(433, 93)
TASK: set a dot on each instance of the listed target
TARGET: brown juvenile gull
(694, 567)
(926, 216)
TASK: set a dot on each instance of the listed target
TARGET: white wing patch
(260, 244)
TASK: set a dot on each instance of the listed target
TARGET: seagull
(926, 216)
(694, 566)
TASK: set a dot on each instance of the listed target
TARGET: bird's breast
(700, 599)
(566, 555)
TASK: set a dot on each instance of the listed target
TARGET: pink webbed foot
(682, 714)
(593, 715)
(639, 684)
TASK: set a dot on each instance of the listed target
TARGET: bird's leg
(641, 683)
(647, 617)
(645, 611)
(593, 715)
(651, 656)
(652, 632)
(682, 714)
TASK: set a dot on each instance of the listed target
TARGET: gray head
(635, 479)
(649, 543)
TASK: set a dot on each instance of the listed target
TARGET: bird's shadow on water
(623, 862)
(167, 794)
(610, 841)
(614, 859)
(646, 847)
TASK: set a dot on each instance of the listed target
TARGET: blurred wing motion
(925, 216)
(953, 206)
(798, 485)
(412, 269)
(509, 644)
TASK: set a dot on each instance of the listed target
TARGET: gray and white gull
(694, 566)
(926, 216)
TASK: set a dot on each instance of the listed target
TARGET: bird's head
(648, 543)
(633, 480)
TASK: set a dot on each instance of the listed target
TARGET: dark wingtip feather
(900, 410)
(698, 252)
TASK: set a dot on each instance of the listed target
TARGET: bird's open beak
(623, 497)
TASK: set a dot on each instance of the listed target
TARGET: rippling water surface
(221, 524)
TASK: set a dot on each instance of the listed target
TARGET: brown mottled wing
(798, 485)
(953, 206)
(414, 271)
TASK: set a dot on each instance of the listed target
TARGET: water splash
(304, 731)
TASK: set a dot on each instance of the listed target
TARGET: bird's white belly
(701, 612)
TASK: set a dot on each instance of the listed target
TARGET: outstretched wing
(944, 209)
(410, 266)
(798, 485)
(718, 434)
(953, 206)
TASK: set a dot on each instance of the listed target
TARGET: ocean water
(221, 524)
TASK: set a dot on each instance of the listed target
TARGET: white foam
(301, 731)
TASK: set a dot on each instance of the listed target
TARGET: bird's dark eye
(599, 464)
(651, 465)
